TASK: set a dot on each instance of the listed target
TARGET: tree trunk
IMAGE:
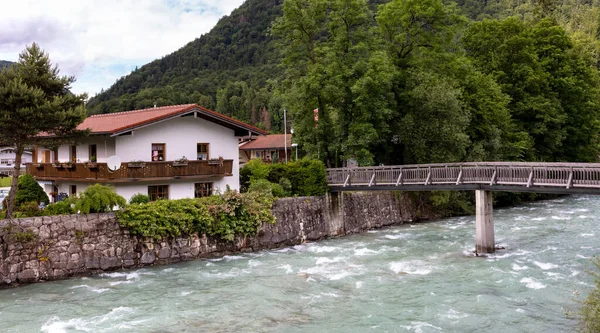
(13, 186)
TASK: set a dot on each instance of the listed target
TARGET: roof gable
(121, 122)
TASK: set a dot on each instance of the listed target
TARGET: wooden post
(484, 222)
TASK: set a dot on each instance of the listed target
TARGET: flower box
(136, 164)
(57, 165)
(68, 165)
(38, 165)
(91, 165)
(178, 164)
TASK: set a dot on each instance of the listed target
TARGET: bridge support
(484, 222)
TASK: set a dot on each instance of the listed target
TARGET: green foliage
(98, 199)
(553, 90)
(589, 314)
(34, 98)
(25, 236)
(28, 209)
(139, 198)
(226, 216)
(28, 190)
(301, 178)
(265, 186)
(61, 208)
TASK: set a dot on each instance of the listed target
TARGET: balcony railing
(130, 171)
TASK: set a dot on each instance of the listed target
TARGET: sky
(98, 41)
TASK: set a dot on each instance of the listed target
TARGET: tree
(29, 190)
(34, 99)
(553, 88)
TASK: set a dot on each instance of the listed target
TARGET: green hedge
(224, 216)
(307, 177)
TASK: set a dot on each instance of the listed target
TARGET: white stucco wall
(177, 189)
(105, 147)
(7, 157)
(181, 136)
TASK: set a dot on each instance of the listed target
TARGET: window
(202, 151)
(158, 192)
(203, 190)
(55, 156)
(158, 152)
(73, 189)
(93, 153)
(73, 154)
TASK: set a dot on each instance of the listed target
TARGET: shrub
(286, 185)
(222, 216)
(29, 190)
(265, 186)
(60, 208)
(29, 209)
(139, 198)
(305, 177)
(97, 199)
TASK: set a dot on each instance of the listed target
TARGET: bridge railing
(565, 175)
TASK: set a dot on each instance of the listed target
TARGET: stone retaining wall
(57, 247)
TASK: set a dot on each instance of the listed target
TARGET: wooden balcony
(130, 171)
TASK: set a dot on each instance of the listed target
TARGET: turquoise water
(410, 278)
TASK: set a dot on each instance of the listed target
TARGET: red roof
(274, 141)
(119, 122)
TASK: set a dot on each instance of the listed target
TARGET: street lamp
(296, 145)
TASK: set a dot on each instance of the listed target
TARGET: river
(409, 278)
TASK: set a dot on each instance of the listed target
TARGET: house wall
(7, 157)
(105, 147)
(180, 136)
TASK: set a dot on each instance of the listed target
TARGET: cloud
(100, 41)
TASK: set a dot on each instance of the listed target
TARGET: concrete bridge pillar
(484, 222)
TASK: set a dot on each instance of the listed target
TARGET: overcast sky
(99, 41)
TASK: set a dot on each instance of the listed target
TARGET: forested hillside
(236, 56)
(404, 81)
(4, 63)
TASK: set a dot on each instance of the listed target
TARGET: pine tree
(34, 99)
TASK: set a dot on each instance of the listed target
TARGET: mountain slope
(237, 48)
(4, 63)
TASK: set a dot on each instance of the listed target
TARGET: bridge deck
(569, 178)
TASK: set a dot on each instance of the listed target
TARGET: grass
(5, 182)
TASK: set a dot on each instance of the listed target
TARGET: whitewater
(418, 277)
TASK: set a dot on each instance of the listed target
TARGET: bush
(222, 216)
(302, 178)
(60, 208)
(139, 198)
(98, 199)
(29, 209)
(265, 186)
(29, 190)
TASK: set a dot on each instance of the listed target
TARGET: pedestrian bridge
(562, 178)
(483, 177)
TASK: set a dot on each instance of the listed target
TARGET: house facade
(173, 152)
(7, 159)
(269, 148)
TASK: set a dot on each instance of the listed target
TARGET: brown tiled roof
(119, 122)
(274, 141)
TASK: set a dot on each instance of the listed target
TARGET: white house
(7, 159)
(180, 151)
